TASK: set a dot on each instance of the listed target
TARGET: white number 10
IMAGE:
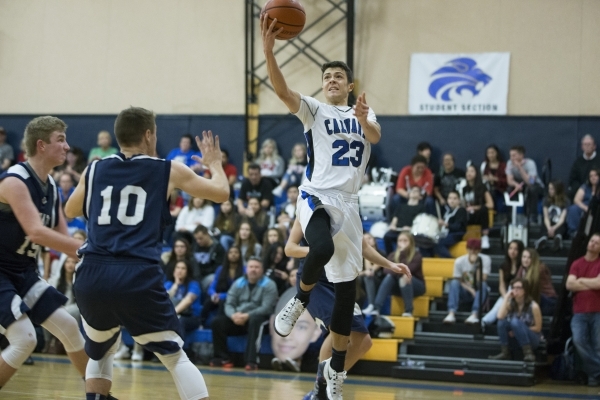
(140, 205)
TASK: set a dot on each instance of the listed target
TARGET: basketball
(289, 14)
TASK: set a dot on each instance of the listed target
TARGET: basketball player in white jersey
(339, 139)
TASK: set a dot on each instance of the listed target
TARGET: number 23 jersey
(337, 149)
(126, 206)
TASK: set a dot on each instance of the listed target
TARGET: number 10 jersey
(337, 149)
(126, 207)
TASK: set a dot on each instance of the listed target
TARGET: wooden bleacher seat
(459, 249)
(441, 267)
(421, 306)
(434, 286)
(383, 350)
(405, 327)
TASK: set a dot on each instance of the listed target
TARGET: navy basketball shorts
(321, 302)
(26, 293)
(114, 292)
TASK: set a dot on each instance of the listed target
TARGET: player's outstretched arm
(15, 193)
(372, 255)
(289, 97)
(74, 204)
(371, 129)
(292, 247)
(215, 189)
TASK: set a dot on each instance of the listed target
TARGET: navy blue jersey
(17, 252)
(126, 206)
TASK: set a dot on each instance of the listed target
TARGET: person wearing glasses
(519, 317)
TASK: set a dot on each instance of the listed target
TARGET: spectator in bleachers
(506, 273)
(295, 170)
(22, 156)
(371, 276)
(447, 179)
(493, 173)
(582, 166)
(555, 216)
(582, 201)
(288, 351)
(257, 186)
(182, 251)
(104, 148)
(477, 202)
(208, 253)
(66, 187)
(250, 302)
(288, 209)
(184, 153)
(198, 212)
(74, 164)
(74, 224)
(416, 174)
(540, 280)
(246, 241)
(519, 317)
(272, 236)
(229, 168)
(400, 285)
(257, 217)
(424, 149)
(464, 288)
(584, 282)
(522, 176)
(272, 166)
(184, 292)
(232, 268)
(176, 204)
(453, 226)
(403, 217)
(7, 153)
(226, 224)
(275, 265)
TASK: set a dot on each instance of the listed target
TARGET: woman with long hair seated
(540, 280)
(409, 288)
(184, 292)
(246, 242)
(521, 316)
(225, 275)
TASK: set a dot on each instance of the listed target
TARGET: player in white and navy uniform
(119, 280)
(339, 139)
(31, 217)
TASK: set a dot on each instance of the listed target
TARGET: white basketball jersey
(337, 149)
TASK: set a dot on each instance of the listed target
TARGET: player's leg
(359, 344)
(318, 236)
(65, 328)
(22, 341)
(188, 379)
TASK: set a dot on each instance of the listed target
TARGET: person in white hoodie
(197, 212)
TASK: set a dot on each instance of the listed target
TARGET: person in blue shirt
(184, 154)
(184, 292)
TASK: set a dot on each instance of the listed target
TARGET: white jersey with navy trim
(337, 149)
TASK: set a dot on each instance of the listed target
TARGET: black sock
(338, 358)
(303, 296)
(94, 396)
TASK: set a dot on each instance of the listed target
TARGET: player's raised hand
(210, 149)
(267, 32)
(402, 269)
(361, 109)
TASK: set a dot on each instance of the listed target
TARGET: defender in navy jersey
(321, 306)
(119, 280)
(31, 217)
(339, 139)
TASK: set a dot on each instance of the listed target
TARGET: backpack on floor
(563, 367)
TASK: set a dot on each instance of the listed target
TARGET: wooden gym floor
(52, 377)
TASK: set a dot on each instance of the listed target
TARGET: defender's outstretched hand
(267, 32)
(210, 149)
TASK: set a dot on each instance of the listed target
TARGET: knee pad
(170, 361)
(62, 325)
(22, 341)
(343, 308)
(102, 368)
(319, 254)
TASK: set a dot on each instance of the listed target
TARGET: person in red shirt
(584, 282)
(415, 174)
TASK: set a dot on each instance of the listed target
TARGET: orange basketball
(290, 15)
